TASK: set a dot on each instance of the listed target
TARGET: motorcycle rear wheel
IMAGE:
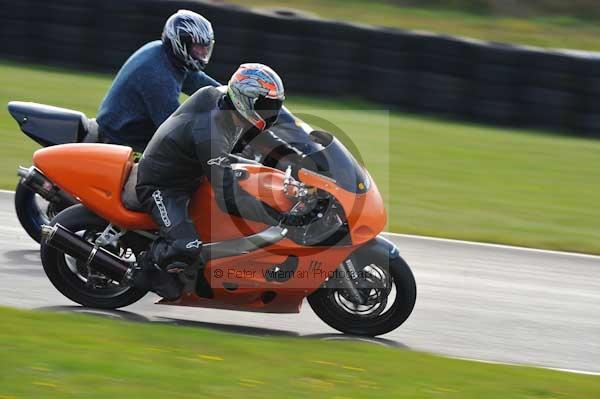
(30, 213)
(67, 274)
(332, 307)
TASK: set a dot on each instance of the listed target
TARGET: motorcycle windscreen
(337, 163)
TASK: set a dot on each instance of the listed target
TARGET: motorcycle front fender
(379, 250)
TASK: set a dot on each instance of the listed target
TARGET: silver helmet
(189, 37)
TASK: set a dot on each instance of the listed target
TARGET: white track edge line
(491, 245)
(451, 240)
(573, 371)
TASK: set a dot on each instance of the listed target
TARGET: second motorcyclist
(146, 90)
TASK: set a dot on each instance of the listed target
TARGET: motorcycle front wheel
(389, 289)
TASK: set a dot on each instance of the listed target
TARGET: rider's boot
(150, 276)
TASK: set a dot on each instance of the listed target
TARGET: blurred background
(480, 121)
(486, 137)
(415, 71)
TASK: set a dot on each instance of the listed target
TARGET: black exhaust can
(97, 258)
(35, 180)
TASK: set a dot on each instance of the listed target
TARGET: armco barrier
(420, 72)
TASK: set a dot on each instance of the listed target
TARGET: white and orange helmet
(256, 92)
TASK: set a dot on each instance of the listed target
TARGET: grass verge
(535, 27)
(440, 178)
(48, 355)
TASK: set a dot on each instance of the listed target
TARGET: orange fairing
(365, 212)
(95, 174)
(247, 273)
(265, 183)
(213, 224)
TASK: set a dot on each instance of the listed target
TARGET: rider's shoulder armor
(204, 100)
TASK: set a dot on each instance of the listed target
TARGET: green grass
(536, 27)
(47, 355)
(443, 178)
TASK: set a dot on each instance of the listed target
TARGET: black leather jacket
(195, 142)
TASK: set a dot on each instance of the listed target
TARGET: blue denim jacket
(144, 94)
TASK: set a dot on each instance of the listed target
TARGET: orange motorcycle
(354, 279)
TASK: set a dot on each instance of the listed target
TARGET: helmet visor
(268, 109)
(201, 52)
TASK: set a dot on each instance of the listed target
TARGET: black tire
(324, 304)
(30, 215)
(77, 218)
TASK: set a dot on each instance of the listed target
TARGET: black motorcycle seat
(129, 195)
(49, 125)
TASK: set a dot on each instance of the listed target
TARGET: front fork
(350, 282)
(379, 249)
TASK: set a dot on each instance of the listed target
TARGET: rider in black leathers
(195, 142)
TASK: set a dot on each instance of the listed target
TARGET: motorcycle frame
(238, 281)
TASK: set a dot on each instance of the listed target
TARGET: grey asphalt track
(492, 303)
